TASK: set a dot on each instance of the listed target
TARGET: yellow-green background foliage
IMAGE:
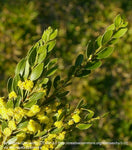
(108, 89)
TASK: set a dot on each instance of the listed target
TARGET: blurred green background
(108, 89)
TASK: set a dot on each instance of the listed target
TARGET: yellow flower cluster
(58, 124)
(33, 126)
(45, 115)
(12, 95)
(33, 111)
(26, 85)
(76, 116)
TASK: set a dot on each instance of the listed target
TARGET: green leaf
(49, 84)
(27, 70)
(79, 60)
(4, 125)
(90, 48)
(120, 33)
(12, 140)
(111, 27)
(93, 64)
(53, 35)
(9, 104)
(52, 62)
(46, 34)
(89, 115)
(51, 71)
(59, 145)
(61, 115)
(32, 57)
(57, 130)
(14, 83)
(40, 134)
(113, 41)
(36, 72)
(56, 81)
(20, 67)
(42, 49)
(44, 81)
(18, 101)
(79, 104)
(51, 45)
(29, 104)
(33, 99)
(83, 126)
(36, 96)
(23, 125)
(42, 56)
(82, 73)
(117, 21)
(71, 71)
(98, 42)
(107, 36)
(9, 84)
(60, 95)
(105, 52)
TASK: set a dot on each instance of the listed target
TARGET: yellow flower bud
(61, 136)
(58, 124)
(33, 126)
(76, 118)
(60, 111)
(12, 95)
(35, 109)
(43, 119)
(28, 85)
(71, 122)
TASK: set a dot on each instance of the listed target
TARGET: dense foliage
(36, 112)
(108, 89)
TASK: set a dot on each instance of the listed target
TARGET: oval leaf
(117, 21)
(36, 96)
(120, 33)
(105, 52)
(79, 60)
(33, 99)
(83, 126)
(32, 57)
(20, 67)
(51, 45)
(9, 84)
(12, 140)
(51, 71)
(37, 71)
(23, 125)
(42, 56)
(14, 83)
(53, 35)
(90, 48)
(107, 36)
(93, 65)
(82, 73)
(27, 70)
